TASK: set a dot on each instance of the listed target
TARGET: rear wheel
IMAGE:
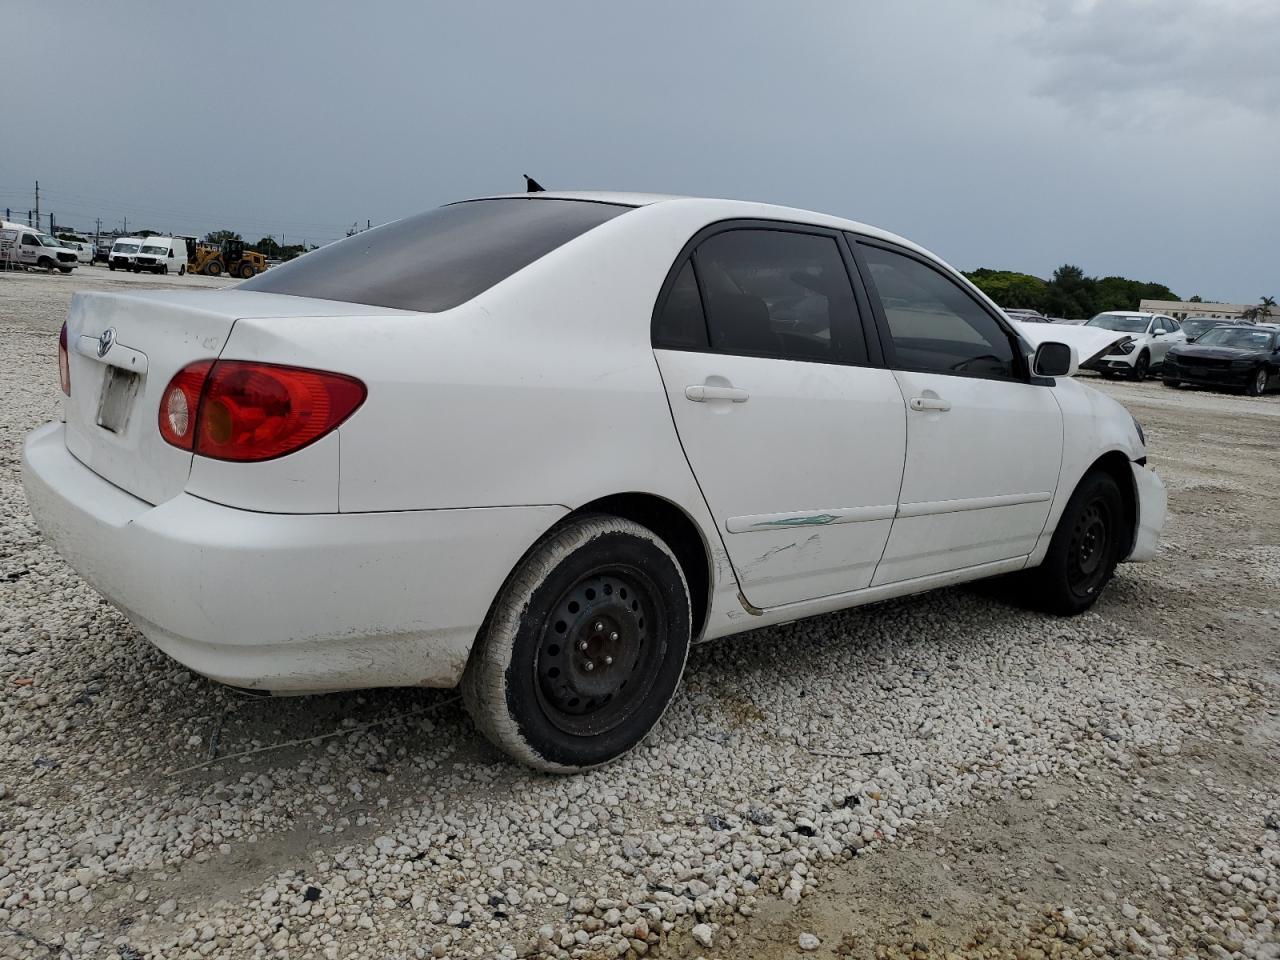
(1258, 383)
(1084, 550)
(584, 647)
(246, 271)
(213, 268)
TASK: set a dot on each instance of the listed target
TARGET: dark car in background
(1239, 356)
(1197, 327)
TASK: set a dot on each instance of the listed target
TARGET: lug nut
(582, 645)
(599, 626)
(608, 660)
(588, 666)
(613, 636)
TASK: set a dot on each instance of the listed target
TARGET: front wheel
(246, 271)
(583, 648)
(1140, 367)
(1084, 550)
(1258, 383)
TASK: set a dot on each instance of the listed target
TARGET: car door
(984, 442)
(1166, 335)
(794, 430)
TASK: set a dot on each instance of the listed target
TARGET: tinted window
(777, 294)
(935, 325)
(436, 260)
(680, 324)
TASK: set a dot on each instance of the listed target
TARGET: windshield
(1119, 323)
(1193, 328)
(154, 248)
(437, 260)
(125, 248)
(1237, 337)
(48, 241)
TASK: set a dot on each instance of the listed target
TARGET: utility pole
(37, 204)
(97, 233)
(53, 230)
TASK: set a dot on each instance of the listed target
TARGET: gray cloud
(1130, 138)
(1155, 60)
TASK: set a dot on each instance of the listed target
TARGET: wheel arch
(1115, 464)
(678, 530)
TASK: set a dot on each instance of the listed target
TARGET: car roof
(717, 209)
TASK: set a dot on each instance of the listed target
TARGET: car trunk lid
(123, 350)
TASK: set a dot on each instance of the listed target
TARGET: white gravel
(388, 829)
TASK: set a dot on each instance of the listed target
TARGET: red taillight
(64, 361)
(237, 410)
(180, 402)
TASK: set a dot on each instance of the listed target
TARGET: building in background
(1181, 309)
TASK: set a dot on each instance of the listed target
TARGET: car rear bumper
(293, 603)
(1152, 506)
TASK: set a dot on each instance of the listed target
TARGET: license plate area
(119, 387)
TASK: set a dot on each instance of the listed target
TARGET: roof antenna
(533, 186)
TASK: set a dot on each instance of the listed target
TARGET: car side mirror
(1055, 360)
(1157, 333)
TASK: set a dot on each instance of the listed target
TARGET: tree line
(269, 247)
(1069, 294)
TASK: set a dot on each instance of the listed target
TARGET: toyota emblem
(105, 341)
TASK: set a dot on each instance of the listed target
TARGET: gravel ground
(945, 775)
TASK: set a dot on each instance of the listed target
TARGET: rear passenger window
(680, 324)
(772, 293)
(935, 325)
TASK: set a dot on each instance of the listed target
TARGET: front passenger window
(935, 325)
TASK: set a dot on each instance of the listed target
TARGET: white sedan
(538, 445)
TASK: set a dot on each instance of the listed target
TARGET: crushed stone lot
(947, 775)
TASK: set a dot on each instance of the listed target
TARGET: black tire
(1108, 375)
(44, 263)
(583, 648)
(213, 268)
(182, 270)
(111, 266)
(1084, 550)
(246, 271)
(1140, 367)
(164, 269)
(1170, 382)
(1257, 382)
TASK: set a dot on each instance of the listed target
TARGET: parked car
(1194, 327)
(1025, 315)
(162, 255)
(1243, 356)
(83, 249)
(124, 252)
(1150, 336)
(538, 444)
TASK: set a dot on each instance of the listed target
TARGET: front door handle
(930, 403)
(701, 393)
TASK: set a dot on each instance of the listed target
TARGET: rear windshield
(436, 260)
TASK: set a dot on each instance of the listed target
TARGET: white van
(83, 249)
(123, 252)
(162, 255)
(28, 247)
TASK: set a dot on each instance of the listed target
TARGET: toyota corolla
(538, 445)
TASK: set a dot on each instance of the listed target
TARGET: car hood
(1089, 342)
(1210, 352)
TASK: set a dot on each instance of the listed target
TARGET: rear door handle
(701, 393)
(930, 403)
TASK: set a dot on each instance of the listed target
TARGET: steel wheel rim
(599, 650)
(1090, 548)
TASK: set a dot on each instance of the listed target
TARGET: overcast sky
(1131, 137)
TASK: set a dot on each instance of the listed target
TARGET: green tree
(1262, 312)
(268, 247)
(1009, 288)
(217, 236)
